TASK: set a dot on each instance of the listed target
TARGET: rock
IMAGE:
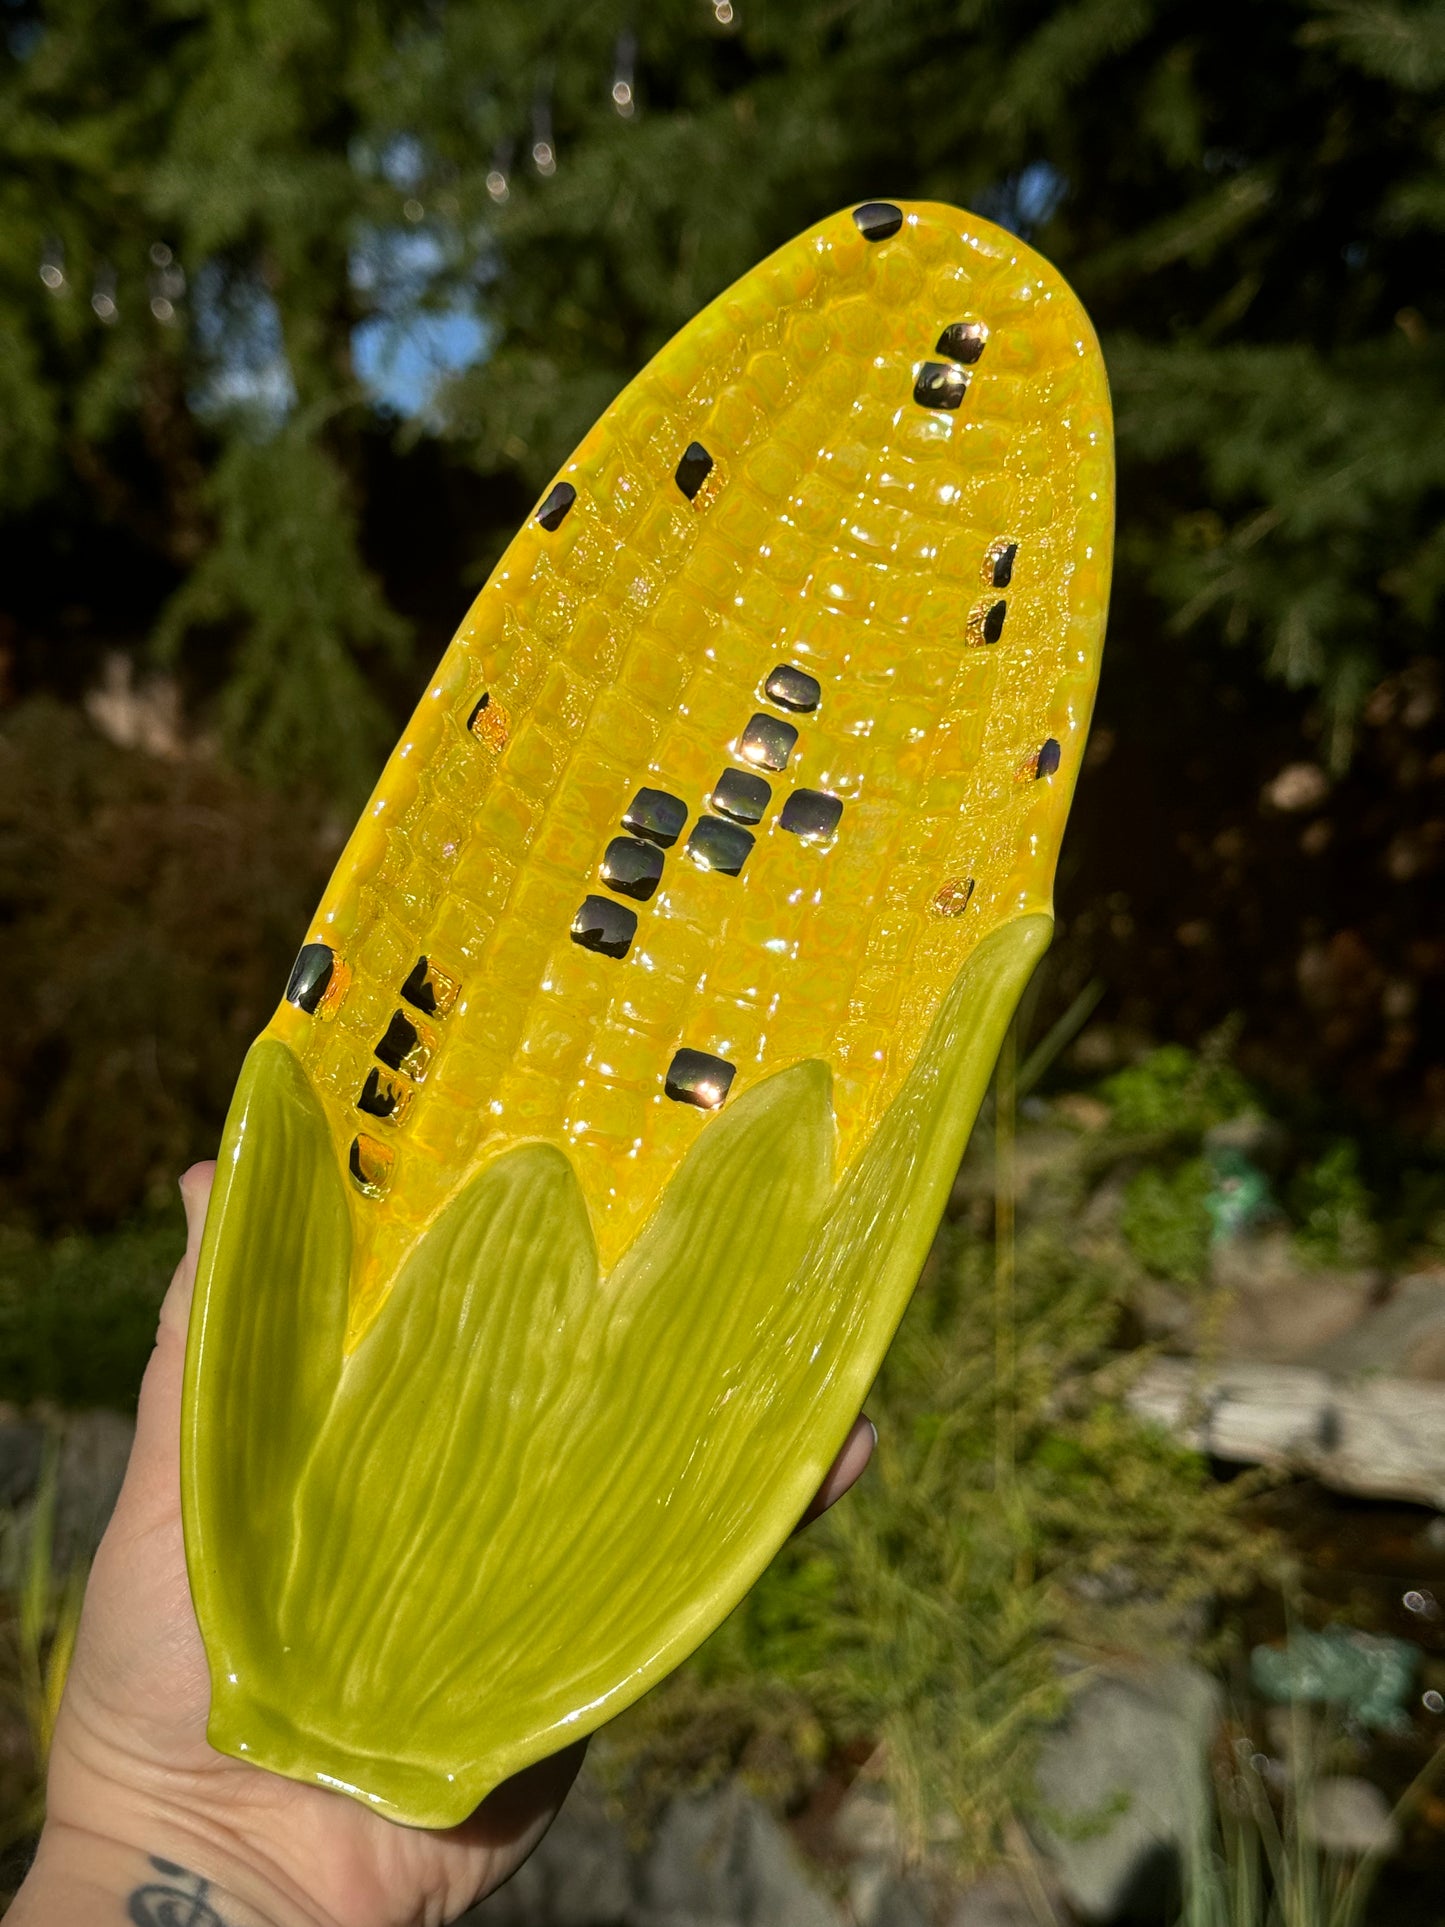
(1347, 1816)
(1279, 1308)
(1383, 1438)
(1403, 1338)
(580, 1876)
(999, 1899)
(866, 1826)
(90, 1452)
(723, 1861)
(94, 1449)
(1124, 1789)
(22, 1449)
(883, 1890)
(878, 1898)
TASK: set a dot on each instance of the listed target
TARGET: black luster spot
(369, 1164)
(767, 742)
(419, 990)
(876, 220)
(377, 1098)
(993, 622)
(605, 926)
(310, 975)
(1050, 756)
(401, 1039)
(793, 688)
(657, 815)
(697, 1077)
(716, 844)
(555, 510)
(740, 794)
(1003, 565)
(940, 385)
(811, 813)
(693, 470)
(962, 341)
(631, 867)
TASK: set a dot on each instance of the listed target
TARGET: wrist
(178, 1875)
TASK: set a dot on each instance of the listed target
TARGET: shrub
(151, 909)
(1166, 1219)
(78, 1316)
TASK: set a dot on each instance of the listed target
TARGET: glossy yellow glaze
(497, 1404)
(845, 529)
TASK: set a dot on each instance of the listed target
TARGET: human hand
(146, 1822)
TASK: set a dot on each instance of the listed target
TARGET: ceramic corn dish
(569, 1201)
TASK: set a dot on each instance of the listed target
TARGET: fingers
(195, 1196)
(846, 1469)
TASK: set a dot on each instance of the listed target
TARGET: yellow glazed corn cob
(570, 1198)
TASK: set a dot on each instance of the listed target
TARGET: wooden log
(1383, 1438)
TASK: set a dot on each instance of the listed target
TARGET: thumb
(152, 1477)
(195, 1196)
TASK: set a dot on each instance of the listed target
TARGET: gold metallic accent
(491, 724)
(985, 622)
(370, 1165)
(429, 988)
(384, 1095)
(334, 994)
(407, 1045)
(998, 563)
(953, 898)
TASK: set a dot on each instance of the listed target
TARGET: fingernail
(195, 1193)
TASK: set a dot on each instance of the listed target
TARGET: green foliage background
(222, 220)
(1254, 234)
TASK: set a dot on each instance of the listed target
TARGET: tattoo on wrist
(177, 1899)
